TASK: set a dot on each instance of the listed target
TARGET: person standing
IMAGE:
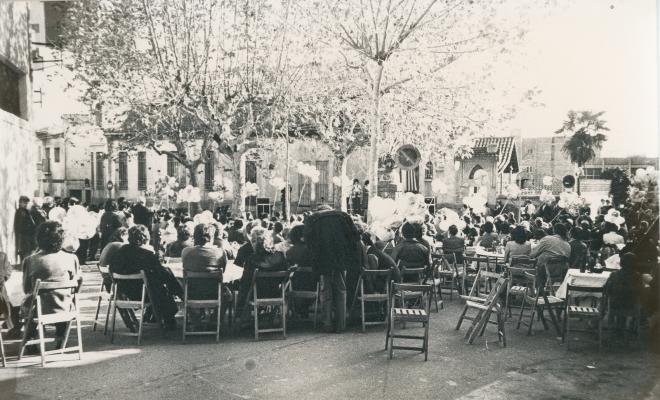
(37, 213)
(24, 229)
(109, 222)
(356, 197)
(334, 244)
(141, 214)
(365, 198)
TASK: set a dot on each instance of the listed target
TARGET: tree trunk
(375, 132)
(237, 202)
(286, 206)
(340, 171)
(192, 170)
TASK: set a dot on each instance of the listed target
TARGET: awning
(505, 147)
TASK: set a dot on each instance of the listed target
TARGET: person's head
(366, 183)
(257, 236)
(73, 201)
(296, 234)
(366, 239)
(324, 207)
(519, 234)
(120, 235)
(278, 227)
(488, 227)
(110, 206)
(610, 227)
(538, 222)
(467, 220)
(184, 232)
(203, 234)
(238, 224)
(23, 201)
(356, 181)
(453, 230)
(643, 226)
(408, 231)
(138, 235)
(50, 236)
(560, 230)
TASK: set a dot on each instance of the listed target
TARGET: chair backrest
(372, 261)
(402, 288)
(582, 289)
(298, 271)
(556, 268)
(104, 271)
(215, 275)
(141, 276)
(522, 261)
(416, 273)
(276, 277)
(479, 261)
(40, 287)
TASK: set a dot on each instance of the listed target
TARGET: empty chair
(378, 281)
(119, 301)
(409, 314)
(472, 265)
(484, 306)
(298, 294)
(539, 301)
(573, 310)
(445, 267)
(275, 278)
(36, 318)
(517, 286)
(201, 304)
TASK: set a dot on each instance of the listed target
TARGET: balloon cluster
(205, 217)
(389, 214)
(547, 197)
(278, 183)
(643, 185)
(571, 202)
(512, 191)
(79, 223)
(250, 189)
(439, 186)
(448, 217)
(308, 171)
(165, 187)
(476, 202)
(547, 181)
(189, 194)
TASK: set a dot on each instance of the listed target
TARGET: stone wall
(17, 173)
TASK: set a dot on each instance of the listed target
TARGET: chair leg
(2, 351)
(98, 308)
(66, 337)
(568, 330)
(114, 319)
(79, 337)
(362, 316)
(564, 326)
(42, 344)
(391, 337)
(256, 321)
(531, 321)
(522, 310)
(316, 308)
(600, 334)
(107, 317)
(426, 340)
(284, 318)
(139, 339)
(460, 319)
(185, 322)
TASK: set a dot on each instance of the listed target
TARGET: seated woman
(136, 256)
(298, 254)
(454, 244)
(518, 246)
(623, 290)
(409, 251)
(50, 264)
(203, 257)
(183, 239)
(384, 261)
(579, 250)
(262, 258)
(489, 238)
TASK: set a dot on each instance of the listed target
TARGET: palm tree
(586, 138)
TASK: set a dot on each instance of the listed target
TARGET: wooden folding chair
(103, 294)
(282, 279)
(517, 285)
(471, 267)
(119, 301)
(485, 307)
(372, 276)
(444, 266)
(209, 304)
(404, 314)
(539, 300)
(297, 293)
(41, 320)
(417, 275)
(582, 312)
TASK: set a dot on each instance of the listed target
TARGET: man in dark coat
(24, 229)
(334, 245)
(141, 214)
(37, 213)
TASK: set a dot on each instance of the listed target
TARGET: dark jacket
(333, 241)
(109, 223)
(24, 230)
(142, 215)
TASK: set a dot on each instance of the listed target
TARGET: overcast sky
(599, 55)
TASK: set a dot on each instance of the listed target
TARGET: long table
(577, 278)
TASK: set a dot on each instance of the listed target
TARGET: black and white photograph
(329, 199)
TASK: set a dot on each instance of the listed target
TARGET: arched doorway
(479, 181)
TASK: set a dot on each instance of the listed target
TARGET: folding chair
(485, 307)
(372, 276)
(517, 284)
(282, 279)
(540, 301)
(555, 270)
(130, 305)
(210, 304)
(2, 347)
(297, 293)
(405, 314)
(445, 267)
(417, 275)
(581, 312)
(471, 267)
(105, 274)
(41, 320)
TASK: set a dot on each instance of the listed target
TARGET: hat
(614, 216)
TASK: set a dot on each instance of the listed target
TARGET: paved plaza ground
(353, 365)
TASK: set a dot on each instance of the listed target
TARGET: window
(428, 171)
(322, 186)
(10, 98)
(592, 173)
(172, 166)
(209, 173)
(35, 27)
(251, 171)
(142, 170)
(123, 171)
(100, 179)
(56, 154)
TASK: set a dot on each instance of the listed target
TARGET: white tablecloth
(575, 277)
(14, 288)
(232, 272)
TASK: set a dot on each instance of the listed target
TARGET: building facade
(18, 144)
